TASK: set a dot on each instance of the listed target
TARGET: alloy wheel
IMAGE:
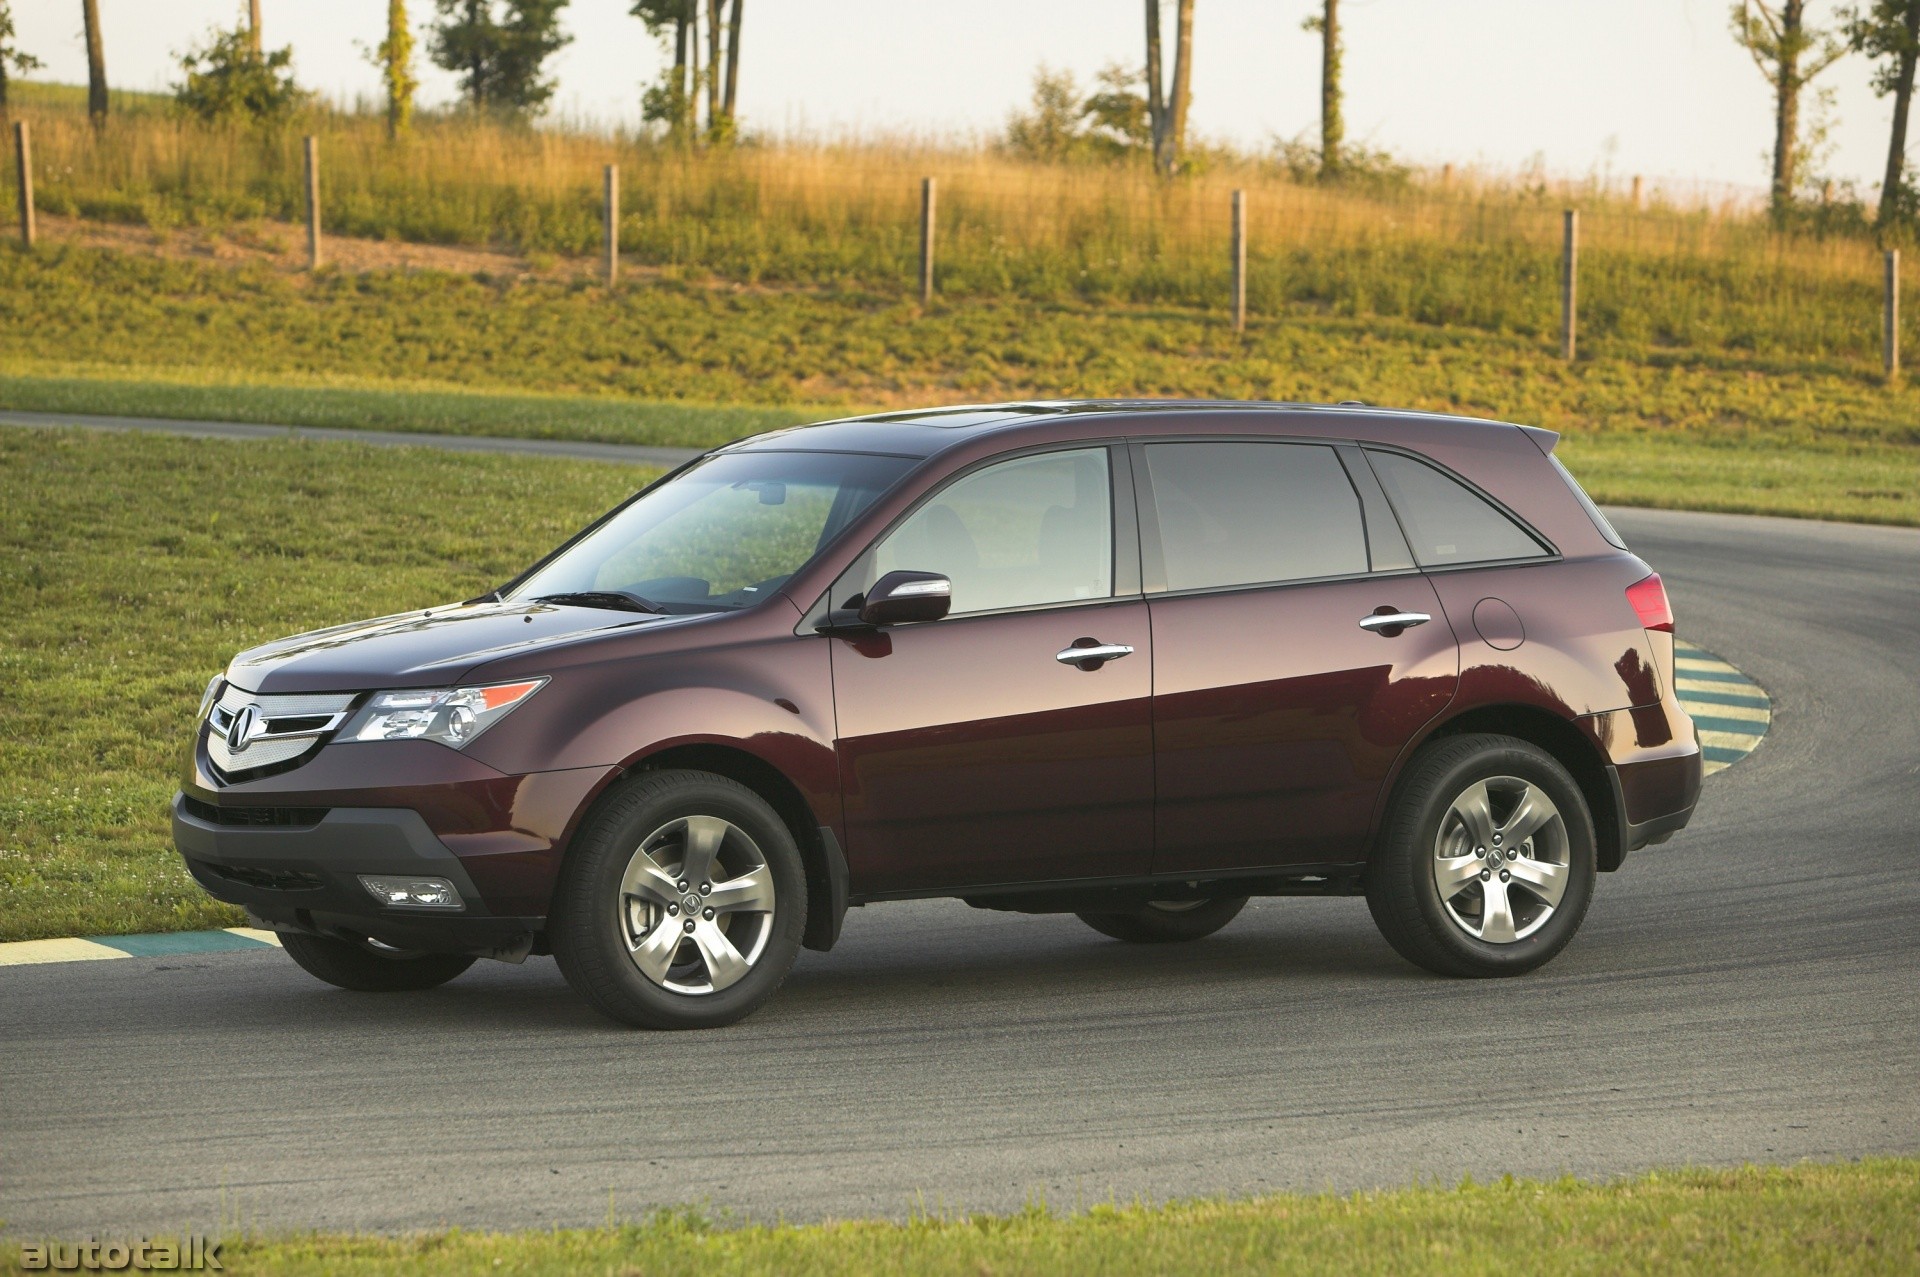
(696, 905)
(1501, 860)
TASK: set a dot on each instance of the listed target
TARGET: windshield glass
(722, 535)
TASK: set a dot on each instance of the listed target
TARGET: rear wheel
(1486, 863)
(682, 903)
(1167, 921)
(369, 967)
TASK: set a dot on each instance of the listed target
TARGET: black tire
(588, 927)
(1402, 888)
(1166, 922)
(365, 970)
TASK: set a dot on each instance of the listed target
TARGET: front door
(1277, 717)
(970, 753)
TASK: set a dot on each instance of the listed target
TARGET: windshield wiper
(616, 600)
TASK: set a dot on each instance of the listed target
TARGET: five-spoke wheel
(696, 905)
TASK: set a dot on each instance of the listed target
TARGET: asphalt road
(1747, 991)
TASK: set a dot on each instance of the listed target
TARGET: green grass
(93, 330)
(1858, 1218)
(135, 566)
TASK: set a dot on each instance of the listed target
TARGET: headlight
(206, 697)
(452, 716)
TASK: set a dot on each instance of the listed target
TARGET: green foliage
(228, 83)
(1060, 124)
(13, 59)
(394, 57)
(498, 48)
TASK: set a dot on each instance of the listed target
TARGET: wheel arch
(1568, 745)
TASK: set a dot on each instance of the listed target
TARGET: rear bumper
(305, 877)
(1654, 773)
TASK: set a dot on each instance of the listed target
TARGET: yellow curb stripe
(21, 953)
(255, 933)
(1751, 713)
(1729, 740)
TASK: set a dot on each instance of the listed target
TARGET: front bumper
(305, 877)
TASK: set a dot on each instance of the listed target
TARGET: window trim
(1552, 552)
(1153, 566)
(1123, 534)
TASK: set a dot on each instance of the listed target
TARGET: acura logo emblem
(248, 725)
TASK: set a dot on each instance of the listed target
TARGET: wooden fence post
(1569, 284)
(1239, 261)
(313, 202)
(1639, 194)
(23, 152)
(1890, 318)
(613, 223)
(926, 240)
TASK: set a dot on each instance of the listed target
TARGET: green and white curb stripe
(165, 945)
(1729, 708)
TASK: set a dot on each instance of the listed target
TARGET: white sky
(1627, 86)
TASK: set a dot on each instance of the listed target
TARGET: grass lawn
(111, 331)
(1848, 1218)
(134, 566)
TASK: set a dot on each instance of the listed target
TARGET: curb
(1730, 710)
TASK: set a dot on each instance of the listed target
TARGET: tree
(1790, 53)
(1050, 128)
(394, 57)
(96, 64)
(229, 82)
(1116, 113)
(497, 48)
(1888, 31)
(675, 100)
(1167, 114)
(253, 27)
(13, 61)
(1333, 128)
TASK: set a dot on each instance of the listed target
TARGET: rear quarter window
(1446, 522)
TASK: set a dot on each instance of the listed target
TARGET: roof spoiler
(1543, 439)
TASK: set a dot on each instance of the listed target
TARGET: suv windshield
(721, 535)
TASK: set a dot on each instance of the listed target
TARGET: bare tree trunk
(253, 27)
(713, 64)
(477, 68)
(733, 59)
(1332, 127)
(1892, 192)
(1156, 99)
(1786, 91)
(1182, 96)
(693, 68)
(96, 64)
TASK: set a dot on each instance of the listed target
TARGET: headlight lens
(206, 697)
(452, 716)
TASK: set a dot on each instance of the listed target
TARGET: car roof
(929, 431)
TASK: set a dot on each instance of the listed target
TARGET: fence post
(1239, 261)
(1639, 194)
(23, 152)
(1890, 318)
(313, 202)
(1569, 284)
(926, 240)
(613, 223)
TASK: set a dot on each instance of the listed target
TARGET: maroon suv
(1131, 661)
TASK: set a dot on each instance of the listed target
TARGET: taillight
(1649, 599)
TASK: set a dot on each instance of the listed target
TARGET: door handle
(1094, 656)
(1395, 621)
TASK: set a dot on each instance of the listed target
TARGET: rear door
(1276, 715)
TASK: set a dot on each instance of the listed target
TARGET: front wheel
(1167, 921)
(369, 968)
(1485, 864)
(682, 904)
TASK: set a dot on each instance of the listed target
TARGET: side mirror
(903, 598)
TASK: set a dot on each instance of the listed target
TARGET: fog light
(413, 893)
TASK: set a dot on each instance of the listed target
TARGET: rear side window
(1446, 522)
(1251, 513)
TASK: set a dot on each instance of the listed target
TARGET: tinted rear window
(1446, 522)
(1249, 513)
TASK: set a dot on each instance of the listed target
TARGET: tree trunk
(253, 27)
(476, 66)
(733, 59)
(96, 63)
(1786, 91)
(713, 64)
(1892, 192)
(1156, 99)
(693, 68)
(1332, 126)
(1182, 96)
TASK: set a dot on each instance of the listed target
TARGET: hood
(431, 648)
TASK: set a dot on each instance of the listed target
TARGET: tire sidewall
(588, 936)
(1506, 758)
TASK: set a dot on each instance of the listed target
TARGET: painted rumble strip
(1729, 708)
(169, 944)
